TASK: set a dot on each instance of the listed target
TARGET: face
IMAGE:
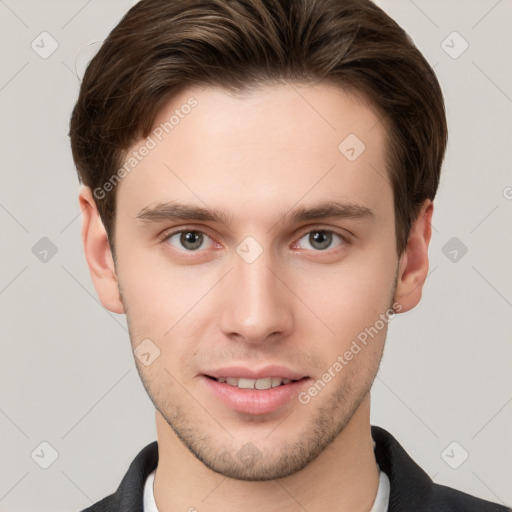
(256, 254)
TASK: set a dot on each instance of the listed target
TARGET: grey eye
(319, 239)
(189, 240)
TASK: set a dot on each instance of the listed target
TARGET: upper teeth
(266, 383)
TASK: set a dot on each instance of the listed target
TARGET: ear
(98, 254)
(413, 266)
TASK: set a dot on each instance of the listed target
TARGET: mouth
(254, 392)
(262, 384)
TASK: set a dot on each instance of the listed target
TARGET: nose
(258, 306)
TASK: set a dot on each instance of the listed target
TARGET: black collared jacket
(411, 488)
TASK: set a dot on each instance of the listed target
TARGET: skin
(256, 157)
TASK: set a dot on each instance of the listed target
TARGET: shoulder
(105, 505)
(447, 499)
(412, 489)
(129, 495)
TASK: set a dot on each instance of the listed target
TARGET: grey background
(67, 375)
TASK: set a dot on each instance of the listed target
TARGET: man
(259, 178)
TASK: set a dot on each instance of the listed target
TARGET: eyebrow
(172, 211)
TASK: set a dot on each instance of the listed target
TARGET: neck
(343, 477)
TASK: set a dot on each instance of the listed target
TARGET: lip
(254, 401)
(241, 372)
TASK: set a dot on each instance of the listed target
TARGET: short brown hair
(161, 47)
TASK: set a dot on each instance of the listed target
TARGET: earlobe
(98, 254)
(413, 266)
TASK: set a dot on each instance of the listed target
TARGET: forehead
(274, 145)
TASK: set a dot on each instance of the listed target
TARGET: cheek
(167, 304)
(350, 297)
(155, 298)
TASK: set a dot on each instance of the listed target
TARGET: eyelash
(345, 240)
